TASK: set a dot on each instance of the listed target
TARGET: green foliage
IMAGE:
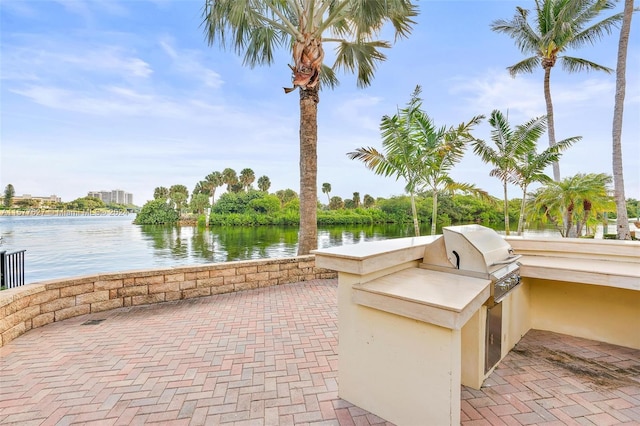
(236, 202)
(161, 193)
(336, 203)
(264, 183)
(633, 208)
(86, 203)
(357, 216)
(178, 194)
(398, 207)
(267, 204)
(286, 195)
(9, 193)
(156, 212)
(199, 202)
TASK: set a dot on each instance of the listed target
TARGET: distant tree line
(79, 204)
(244, 205)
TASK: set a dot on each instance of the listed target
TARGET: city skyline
(99, 93)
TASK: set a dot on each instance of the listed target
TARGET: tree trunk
(414, 213)
(308, 233)
(551, 129)
(522, 206)
(622, 221)
(506, 208)
(434, 213)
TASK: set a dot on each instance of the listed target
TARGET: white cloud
(190, 64)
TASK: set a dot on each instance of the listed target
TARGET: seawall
(34, 305)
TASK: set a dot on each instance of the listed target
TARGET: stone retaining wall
(38, 304)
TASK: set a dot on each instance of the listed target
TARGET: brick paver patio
(268, 357)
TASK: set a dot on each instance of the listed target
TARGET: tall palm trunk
(551, 128)
(506, 208)
(522, 208)
(434, 213)
(414, 213)
(622, 221)
(308, 233)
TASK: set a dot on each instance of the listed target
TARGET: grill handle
(506, 261)
(457, 259)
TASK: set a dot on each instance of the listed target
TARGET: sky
(101, 95)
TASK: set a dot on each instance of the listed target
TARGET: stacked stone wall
(38, 304)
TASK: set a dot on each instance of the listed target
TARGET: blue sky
(127, 94)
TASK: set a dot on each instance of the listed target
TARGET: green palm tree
(264, 183)
(161, 193)
(569, 204)
(445, 148)
(246, 178)
(257, 28)
(402, 152)
(421, 154)
(211, 182)
(178, 194)
(230, 178)
(622, 218)
(326, 189)
(558, 25)
(514, 156)
(530, 169)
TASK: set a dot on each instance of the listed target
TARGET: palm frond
(328, 77)
(596, 32)
(361, 57)
(527, 65)
(571, 65)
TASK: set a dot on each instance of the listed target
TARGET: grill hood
(471, 249)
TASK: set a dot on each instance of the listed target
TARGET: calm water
(68, 246)
(63, 246)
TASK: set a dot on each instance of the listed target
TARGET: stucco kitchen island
(408, 339)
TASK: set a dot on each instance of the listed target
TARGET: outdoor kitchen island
(410, 336)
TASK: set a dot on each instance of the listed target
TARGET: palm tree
(510, 145)
(421, 154)
(445, 148)
(514, 157)
(264, 183)
(356, 199)
(558, 25)
(622, 219)
(530, 169)
(247, 176)
(326, 189)
(200, 188)
(256, 28)
(178, 194)
(230, 178)
(568, 204)
(161, 193)
(209, 185)
(402, 153)
(368, 201)
(211, 182)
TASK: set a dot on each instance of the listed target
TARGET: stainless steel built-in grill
(476, 251)
(480, 252)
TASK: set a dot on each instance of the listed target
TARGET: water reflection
(224, 244)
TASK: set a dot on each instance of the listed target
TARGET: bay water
(69, 246)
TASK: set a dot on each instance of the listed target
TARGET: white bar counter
(399, 326)
(433, 297)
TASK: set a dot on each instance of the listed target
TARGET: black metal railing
(11, 269)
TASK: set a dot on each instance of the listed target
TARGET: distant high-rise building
(117, 196)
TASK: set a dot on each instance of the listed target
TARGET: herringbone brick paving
(554, 379)
(268, 357)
